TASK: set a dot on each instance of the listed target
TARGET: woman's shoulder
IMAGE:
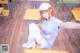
(56, 19)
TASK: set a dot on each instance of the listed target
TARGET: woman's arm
(70, 25)
(41, 30)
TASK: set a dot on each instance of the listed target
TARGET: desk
(1, 9)
(5, 12)
(4, 1)
(42, 51)
(76, 13)
(32, 14)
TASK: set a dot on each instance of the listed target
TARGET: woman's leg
(35, 37)
(38, 37)
(30, 42)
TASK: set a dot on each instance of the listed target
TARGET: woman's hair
(52, 13)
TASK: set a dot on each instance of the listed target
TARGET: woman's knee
(34, 28)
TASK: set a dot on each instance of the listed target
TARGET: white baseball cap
(44, 6)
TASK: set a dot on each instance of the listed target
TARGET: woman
(44, 34)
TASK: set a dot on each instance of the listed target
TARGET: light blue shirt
(51, 28)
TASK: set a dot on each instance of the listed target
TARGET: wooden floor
(11, 30)
(14, 32)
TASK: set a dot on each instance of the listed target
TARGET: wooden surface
(11, 30)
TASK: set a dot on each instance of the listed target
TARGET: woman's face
(45, 13)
